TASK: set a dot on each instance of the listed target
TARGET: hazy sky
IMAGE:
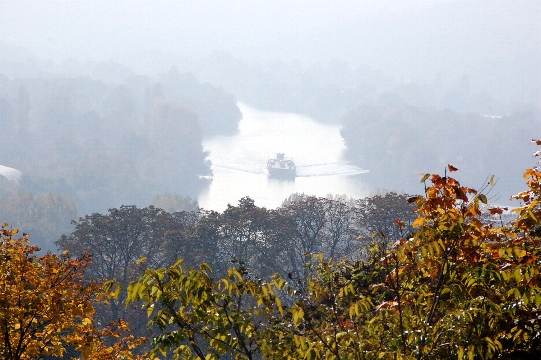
(410, 38)
(111, 29)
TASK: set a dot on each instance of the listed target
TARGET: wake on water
(327, 169)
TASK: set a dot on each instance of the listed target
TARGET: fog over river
(239, 161)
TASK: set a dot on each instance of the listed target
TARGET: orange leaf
(496, 210)
(451, 168)
(435, 177)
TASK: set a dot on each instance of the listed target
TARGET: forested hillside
(105, 144)
(397, 142)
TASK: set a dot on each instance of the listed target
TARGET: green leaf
(425, 177)
(482, 198)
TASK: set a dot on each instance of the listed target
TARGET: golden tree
(46, 305)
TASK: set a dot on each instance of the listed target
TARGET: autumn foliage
(456, 282)
(459, 284)
(47, 307)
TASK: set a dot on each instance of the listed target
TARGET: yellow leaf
(117, 291)
(418, 222)
(150, 309)
(519, 252)
(298, 314)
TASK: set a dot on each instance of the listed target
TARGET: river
(239, 161)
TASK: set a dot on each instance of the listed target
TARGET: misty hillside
(105, 144)
(399, 143)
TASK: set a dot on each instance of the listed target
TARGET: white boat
(280, 167)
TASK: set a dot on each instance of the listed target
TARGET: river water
(239, 161)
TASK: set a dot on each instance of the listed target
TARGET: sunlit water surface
(239, 161)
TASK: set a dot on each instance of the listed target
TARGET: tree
(254, 237)
(193, 237)
(457, 288)
(376, 215)
(116, 241)
(205, 318)
(46, 306)
(41, 298)
(317, 225)
(177, 152)
(308, 215)
(45, 216)
(340, 231)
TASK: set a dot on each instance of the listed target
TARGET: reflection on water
(239, 161)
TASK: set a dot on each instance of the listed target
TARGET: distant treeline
(327, 92)
(105, 144)
(399, 143)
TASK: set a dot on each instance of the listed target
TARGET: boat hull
(281, 168)
(282, 173)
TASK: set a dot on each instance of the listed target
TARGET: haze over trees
(103, 144)
(46, 216)
(353, 64)
(398, 141)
